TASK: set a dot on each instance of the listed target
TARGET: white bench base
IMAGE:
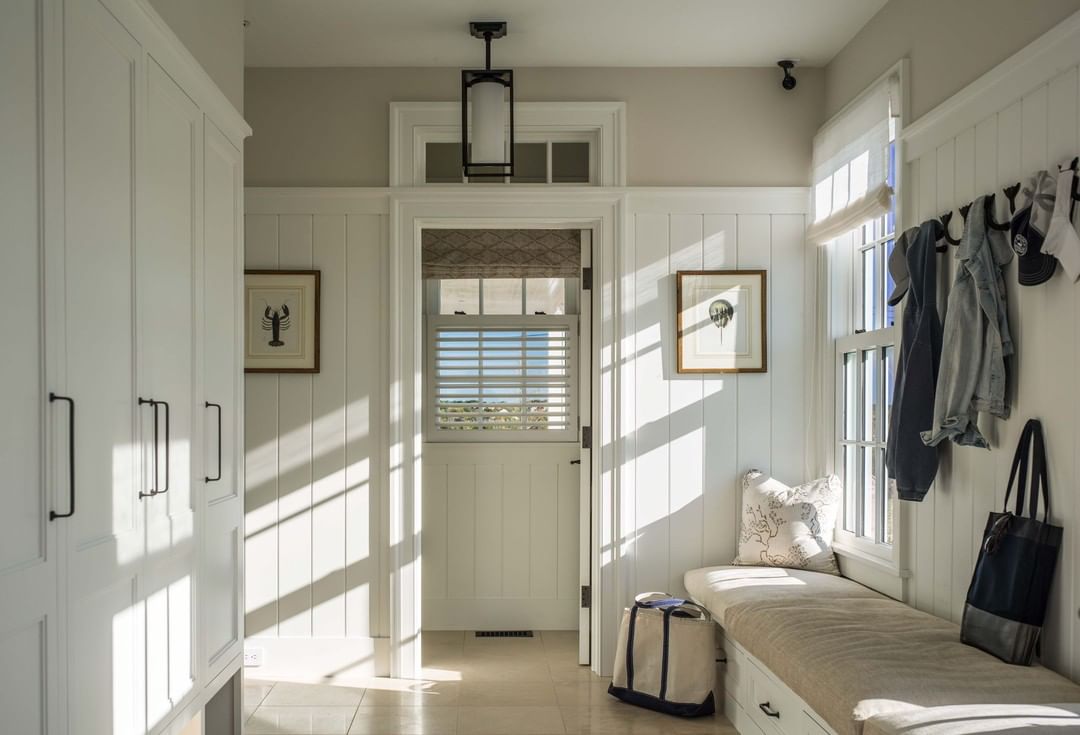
(757, 702)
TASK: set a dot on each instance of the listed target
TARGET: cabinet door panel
(221, 299)
(28, 564)
(168, 238)
(220, 572)
(103, 78)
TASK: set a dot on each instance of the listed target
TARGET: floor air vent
(504, 634)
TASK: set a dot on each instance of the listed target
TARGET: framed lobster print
(720, 321)
(281, 321)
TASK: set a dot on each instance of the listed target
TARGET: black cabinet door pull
(168, 466)
(153, 487)
(53, 515)
(218, 477)
(769, 711)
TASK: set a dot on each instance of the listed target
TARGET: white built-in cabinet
(121, 515)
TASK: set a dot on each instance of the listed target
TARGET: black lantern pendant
(487, 111)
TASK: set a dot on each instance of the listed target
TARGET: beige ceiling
(551, 32)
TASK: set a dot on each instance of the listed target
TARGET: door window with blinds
(501, 347)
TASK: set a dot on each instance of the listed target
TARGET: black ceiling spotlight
(487, 111)
(788, 81)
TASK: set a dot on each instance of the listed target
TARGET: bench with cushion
(845, 654)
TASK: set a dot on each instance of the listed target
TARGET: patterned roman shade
(501, 253)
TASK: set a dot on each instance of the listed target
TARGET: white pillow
(789, 526)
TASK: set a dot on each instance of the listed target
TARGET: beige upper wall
(950, 43)
(213, 31)
(685, 127)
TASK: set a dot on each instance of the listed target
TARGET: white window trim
(414, 124)
(840, 294)
(568, 435)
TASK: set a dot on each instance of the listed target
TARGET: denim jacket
(977, 340)
(908, 460)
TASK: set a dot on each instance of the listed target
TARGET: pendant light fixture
(487, 111)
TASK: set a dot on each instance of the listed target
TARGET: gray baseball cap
(898, 267)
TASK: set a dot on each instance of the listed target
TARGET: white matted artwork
(281, 310)
(721, 321)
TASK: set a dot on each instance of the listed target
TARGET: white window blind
(493, 378)
(851, 164)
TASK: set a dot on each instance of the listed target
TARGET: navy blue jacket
(908, 460)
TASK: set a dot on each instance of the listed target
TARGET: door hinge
(586, 279)
(586, 596)
(586, 437)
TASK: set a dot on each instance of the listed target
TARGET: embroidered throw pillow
(789, 526)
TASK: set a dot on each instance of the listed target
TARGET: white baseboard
(500, 614)
(319, 660)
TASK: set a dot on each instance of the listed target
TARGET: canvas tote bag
(665, 659)
(1006, 602)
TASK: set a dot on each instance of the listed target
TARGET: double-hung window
(855, 158)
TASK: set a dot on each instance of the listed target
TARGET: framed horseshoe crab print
(281, 321)
(720, 318)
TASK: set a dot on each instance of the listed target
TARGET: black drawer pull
(769, 711)
(53, 515)
(218, 477)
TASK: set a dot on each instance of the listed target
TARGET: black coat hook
(964, 211)
(1010, 193)
(945, 220)
(990, 221)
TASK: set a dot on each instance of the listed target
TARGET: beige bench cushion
(980, 719)
(851, 659)
(718, 588)
(852, 654)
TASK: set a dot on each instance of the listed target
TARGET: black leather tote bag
(1006, 602)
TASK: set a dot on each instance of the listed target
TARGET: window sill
(878, 562)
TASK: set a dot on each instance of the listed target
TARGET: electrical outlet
(253, 657)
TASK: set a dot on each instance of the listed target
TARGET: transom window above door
(565, 161)
(556, 143)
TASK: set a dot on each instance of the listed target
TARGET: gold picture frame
(721, 321)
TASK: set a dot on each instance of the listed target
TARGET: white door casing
(585, 396)
(410, 214)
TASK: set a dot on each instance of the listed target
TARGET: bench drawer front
(773, 706)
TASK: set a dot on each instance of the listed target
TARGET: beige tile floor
(472, 686)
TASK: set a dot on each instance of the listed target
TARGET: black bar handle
(153, 489)
(218, 477)
(168, 466)
(53, 397)
(768, 710)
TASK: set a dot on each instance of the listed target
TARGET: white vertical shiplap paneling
(720, 397)
(364, 307)
(328, 436)
(261, 465)
(786, 361)
(686, 426)
(1037, 131)
(651, 399)
(755, 415)
(694, 436)
(313, 452)
(294, 460)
